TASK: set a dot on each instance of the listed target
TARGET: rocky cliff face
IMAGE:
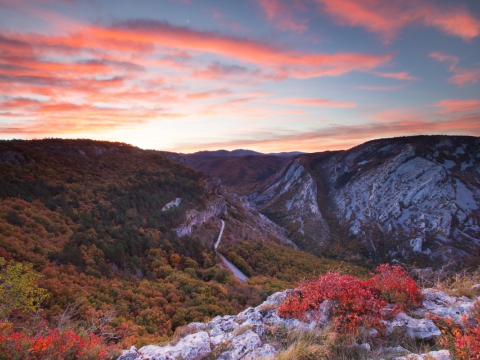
(405, 197)
(242, 216)
(247, 336)
(426, 195)
(290, 198)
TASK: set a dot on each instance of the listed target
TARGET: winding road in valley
(236, 272)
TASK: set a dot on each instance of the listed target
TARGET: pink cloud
(455, 105)
(463, 77)
(381, 88)
(284, 14)
(137, 71)
(312, 102)
(225, 21)
(404, 75)
(387, 18)
(338, 137)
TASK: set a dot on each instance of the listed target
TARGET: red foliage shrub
(395, 286)
(463, 340)
(352, 302)
(54, 344)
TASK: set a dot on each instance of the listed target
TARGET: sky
(266, 75)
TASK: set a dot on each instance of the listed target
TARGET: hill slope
(113, 228)
(239, 173)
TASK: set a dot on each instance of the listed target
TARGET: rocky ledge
(244, 336)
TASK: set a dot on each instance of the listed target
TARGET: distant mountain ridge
(240, 152)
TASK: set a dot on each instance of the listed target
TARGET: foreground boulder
(243, 336)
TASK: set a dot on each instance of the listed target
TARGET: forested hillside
(90, 217)
(240, 173)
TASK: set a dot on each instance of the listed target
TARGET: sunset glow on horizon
(265, 75)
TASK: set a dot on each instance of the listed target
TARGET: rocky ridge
(409, 198)
(245, 336)
(406, 188)
(290, 198)
(218, 206)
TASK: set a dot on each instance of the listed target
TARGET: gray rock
(226, 325)
(265, 352)
(192, 347)
(420, 329)
(251, 316)
(131, 354)
(98, 150)
(432, 355)
(244, 343)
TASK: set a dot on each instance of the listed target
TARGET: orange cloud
(312, 102)
(147, 34)
(387, 18)
(338, 137)
(462, 77)
(137, 71)
(455, 105)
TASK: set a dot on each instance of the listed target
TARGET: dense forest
(86, 218)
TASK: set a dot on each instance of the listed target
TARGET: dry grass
(462, 284)
(316, 344)
(455, 283)
(328, 344)
(264, 308)
(241, 329)
(181, 332)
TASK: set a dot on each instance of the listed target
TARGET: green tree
(18, 289)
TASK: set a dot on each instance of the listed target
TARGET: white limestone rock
(244, 343)
(192, 347)
(432, 355)
(420, 329)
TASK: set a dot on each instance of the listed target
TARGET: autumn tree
(18, 289)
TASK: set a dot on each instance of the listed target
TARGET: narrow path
(220, 235)
(236, 271)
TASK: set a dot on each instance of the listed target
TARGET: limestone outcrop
(245, 336)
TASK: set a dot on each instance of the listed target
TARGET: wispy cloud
(463, 77)
(382, 88)
(456, 105)
(387, 18)
(284, 14)
(404, 75)
(112, 65)
(312, 102)
(339, 137)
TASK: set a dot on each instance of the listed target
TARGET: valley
(413, 199)
(115, 231)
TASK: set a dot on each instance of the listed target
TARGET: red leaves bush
(463, 340)
(395, 286)
(53, 344)
(350, 301)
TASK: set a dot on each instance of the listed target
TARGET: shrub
(463, 340)
(395, 286)
(18, 289)
(53, 344)
(350, 301)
